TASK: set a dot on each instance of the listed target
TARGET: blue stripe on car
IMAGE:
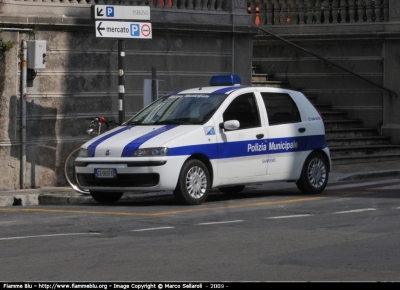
(228, 89)
(253, 147)
(92, 147)
(135, 144)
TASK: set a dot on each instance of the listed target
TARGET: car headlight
(82, 152)
(145, 152)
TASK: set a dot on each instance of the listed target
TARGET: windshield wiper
(134, 123)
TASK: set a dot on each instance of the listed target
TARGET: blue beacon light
(225, 80)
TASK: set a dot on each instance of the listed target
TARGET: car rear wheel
(106, 197)
(314, 175)
(193, 184)
(232, 189)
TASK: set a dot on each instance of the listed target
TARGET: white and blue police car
(223, 136)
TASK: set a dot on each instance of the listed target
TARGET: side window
(281, 109)
(244, 109)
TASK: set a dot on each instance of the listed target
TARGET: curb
(19, 200)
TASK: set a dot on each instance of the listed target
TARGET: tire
(193, 183)
(70, 174)
(314, 175)
(232, 189)
(106, 197)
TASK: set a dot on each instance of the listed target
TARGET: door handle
(302, 130)
(259, 136)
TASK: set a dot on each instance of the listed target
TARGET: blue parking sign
(110, 11)
(135, 30)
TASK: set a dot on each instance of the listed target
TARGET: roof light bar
(225, 80)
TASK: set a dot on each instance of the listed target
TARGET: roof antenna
(201, 87)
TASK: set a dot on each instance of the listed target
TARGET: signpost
(115, 29)
(110, 12)
(106, 27)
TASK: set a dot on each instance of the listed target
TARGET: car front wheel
(314, 175)
(193, 184)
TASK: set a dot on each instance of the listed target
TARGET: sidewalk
(65, 195)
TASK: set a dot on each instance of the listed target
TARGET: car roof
(229, 89)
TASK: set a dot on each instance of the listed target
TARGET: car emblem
(108, 152)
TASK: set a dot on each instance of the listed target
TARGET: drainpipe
(23, 113)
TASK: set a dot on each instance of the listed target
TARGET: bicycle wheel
(69, 172)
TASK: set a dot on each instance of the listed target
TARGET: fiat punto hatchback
(224, 136)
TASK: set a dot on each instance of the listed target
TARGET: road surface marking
(152, 229)
(355, 210)
(45, 236)
(289, 216)
(224, 222)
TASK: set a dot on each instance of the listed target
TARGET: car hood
(124, 140)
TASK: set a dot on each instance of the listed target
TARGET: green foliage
(6, 45)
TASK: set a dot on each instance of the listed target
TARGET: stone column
(9, 129)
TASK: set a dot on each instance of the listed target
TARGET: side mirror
(230, 125)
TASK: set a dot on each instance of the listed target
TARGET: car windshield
(186, 109)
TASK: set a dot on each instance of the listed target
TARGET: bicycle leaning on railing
(94, 128)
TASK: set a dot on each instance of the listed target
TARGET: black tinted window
(281, 109)
(244, 109)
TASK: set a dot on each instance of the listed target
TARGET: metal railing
(308, 12)
(170, 4)
(391, 93)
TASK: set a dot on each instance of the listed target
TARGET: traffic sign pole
(101, 14)
(121, 80)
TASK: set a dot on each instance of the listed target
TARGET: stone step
(350, 132)
(262, 77)
(323, 107)
(342, 124)
(275, 84)
(333, 115)
(358, 141)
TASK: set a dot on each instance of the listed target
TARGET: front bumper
(131, 174)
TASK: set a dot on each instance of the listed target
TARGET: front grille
(129, 164)
(122, 180)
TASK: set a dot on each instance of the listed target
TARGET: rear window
(281, 109)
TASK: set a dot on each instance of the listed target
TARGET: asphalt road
(350, 232)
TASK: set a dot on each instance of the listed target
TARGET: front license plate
(105, 173)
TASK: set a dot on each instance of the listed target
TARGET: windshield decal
(209, 130)
(196, 96)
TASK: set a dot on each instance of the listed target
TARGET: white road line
(46, 236)
(153, 229)
(355, 210)
(224, 222)
(361, 184)
(289, 216)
